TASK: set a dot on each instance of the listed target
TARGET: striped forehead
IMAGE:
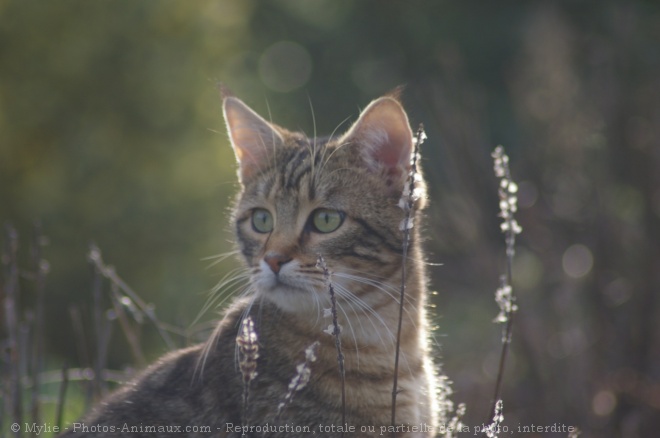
(292, 172)
(295, 173)
(285, 183)
(292, 165)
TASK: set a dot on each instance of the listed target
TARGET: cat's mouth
(291, 295)
(281, 283)
(282, 287)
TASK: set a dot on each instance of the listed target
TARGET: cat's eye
(262, 220)
(325, 220)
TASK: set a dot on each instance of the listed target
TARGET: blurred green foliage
(111, 132)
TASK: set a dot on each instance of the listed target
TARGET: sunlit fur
(361, 174)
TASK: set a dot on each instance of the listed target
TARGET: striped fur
(361, 175)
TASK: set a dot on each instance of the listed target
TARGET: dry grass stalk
(455, 424)
(10, 261)
(336, 331)
(61, 396)
(148, 310)
(248, 353)
(507, 192)
(118, 303)
(493, 428)
(301, 379)
(79, 335)
(407, 203)
(99, 332)
(41, 268)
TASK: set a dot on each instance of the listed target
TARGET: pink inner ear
(385, 136)
(395, 153)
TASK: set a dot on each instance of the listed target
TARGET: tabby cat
(301, 198)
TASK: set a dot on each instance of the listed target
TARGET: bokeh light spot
(603, 403)
(528, 194)
(577, 261)
(618, 291)
(285, 66)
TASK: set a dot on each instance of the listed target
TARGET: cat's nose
(275, 260)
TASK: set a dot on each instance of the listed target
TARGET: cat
(302, 198)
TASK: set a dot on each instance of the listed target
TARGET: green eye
(262, 220)
(326, 221)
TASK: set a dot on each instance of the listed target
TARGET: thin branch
(502, 361)
(494, 427)
(300, 380)
(97, 313)
(25, 341)
(131, 336)
(79, 335)
(408, 204)
(248, 353)
(61, 396)
(336, 330)
(42, 268)
(10, 260)
(109, 273)
(505, 298)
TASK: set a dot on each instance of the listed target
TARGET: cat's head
(338, 197)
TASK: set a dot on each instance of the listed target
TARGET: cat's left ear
(385, 139)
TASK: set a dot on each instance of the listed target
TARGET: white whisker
(348, 320)
(324, 159)
(224, 290)
(218, 258)
(350, 298)
(344, 293)
(212, 340)
(383, 288)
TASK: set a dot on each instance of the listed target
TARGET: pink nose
(276, 260)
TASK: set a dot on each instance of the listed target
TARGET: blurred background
(111, 133)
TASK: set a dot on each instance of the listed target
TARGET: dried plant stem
(502, 363)
(131, 335)
(41, 267)
(79, 335)
(340, 354)
(248, 353)
(493, 428)
(109, 273)
(10, 259)
(61, 396)
(505, 298)
(336, 333)
(300, 380)
(408, 207)
(97, 313)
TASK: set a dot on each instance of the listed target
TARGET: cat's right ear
(252, 137)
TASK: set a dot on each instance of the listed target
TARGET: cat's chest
(277, 396)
